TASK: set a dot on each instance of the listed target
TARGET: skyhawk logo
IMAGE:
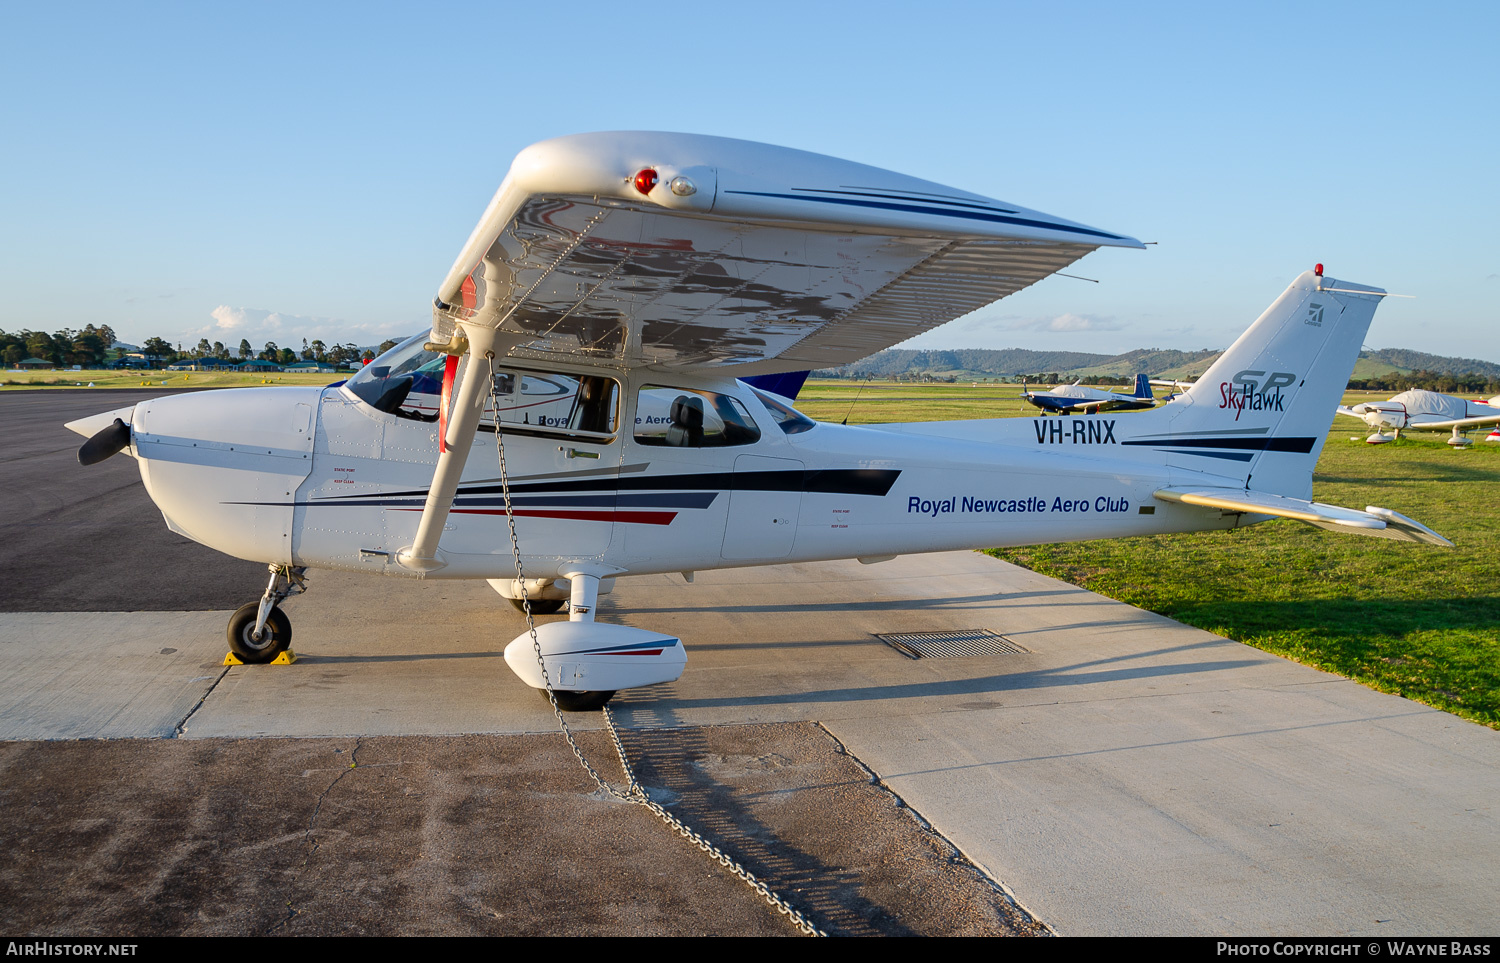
(1314, 315)
(1248, 392)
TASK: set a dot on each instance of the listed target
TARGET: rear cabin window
(688, 418)
(787, 418)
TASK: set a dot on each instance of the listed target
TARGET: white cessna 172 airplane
(616, 290)
(1425, 411)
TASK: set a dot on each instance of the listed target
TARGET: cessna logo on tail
(1314, 315)
(1255, 391)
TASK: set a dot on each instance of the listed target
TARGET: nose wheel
(274, 637)
(259, 631)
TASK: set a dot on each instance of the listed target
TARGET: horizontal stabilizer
(1380, 522)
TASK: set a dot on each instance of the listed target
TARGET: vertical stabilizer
(1262, 412)
(1143, 387)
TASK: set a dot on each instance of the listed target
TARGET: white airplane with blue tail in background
(577, 412)
(1079, 397)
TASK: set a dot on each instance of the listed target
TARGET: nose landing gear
(259, 631)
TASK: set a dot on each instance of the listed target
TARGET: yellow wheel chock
(287, 657)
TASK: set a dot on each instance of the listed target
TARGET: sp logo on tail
(1255, 391)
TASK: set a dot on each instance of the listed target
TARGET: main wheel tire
(580, 701)
(274, 640)
(540, 606)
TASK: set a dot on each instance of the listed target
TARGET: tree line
(90, 347)
(1448, 384)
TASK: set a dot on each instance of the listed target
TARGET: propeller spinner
(107, 441)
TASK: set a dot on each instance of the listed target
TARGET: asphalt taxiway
(1117, 772)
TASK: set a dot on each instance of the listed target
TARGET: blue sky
(310, 170)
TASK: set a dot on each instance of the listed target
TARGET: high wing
(636, 249)
(1459, 423)
(1380, 522)
(1417, 420)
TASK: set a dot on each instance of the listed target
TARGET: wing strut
(483, 343)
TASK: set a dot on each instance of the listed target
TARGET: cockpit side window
(551, 402)
(690, 418)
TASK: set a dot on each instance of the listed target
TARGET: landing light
(645, 179)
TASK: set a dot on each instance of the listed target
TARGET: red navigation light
(1318, 269)
(645, 179)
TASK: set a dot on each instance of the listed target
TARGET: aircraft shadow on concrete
(1082, 673)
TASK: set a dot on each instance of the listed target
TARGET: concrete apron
(1124, 774)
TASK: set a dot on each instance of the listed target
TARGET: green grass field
(1418, 621)
(20, 380)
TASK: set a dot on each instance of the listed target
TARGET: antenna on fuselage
(851, 404)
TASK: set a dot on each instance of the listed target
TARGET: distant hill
(968, 364)
(1405, 361)
(964, 363)
(972, 363)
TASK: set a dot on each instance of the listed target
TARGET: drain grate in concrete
(950, 645)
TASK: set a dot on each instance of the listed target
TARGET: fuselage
(322, 478)
(1077, 397)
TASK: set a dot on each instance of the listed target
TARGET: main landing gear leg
(581, 609)
(585, 590)
(260, 631)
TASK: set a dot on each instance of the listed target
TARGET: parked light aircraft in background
(1424, 411)
(1077, 397)
(634, 278)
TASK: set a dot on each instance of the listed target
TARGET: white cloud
(243, 319)
(1066, 324)
(258, 325)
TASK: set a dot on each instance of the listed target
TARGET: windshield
(406, 381)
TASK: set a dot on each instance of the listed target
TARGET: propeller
(105, 442)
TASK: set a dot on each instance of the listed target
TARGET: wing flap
(1379, 522)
